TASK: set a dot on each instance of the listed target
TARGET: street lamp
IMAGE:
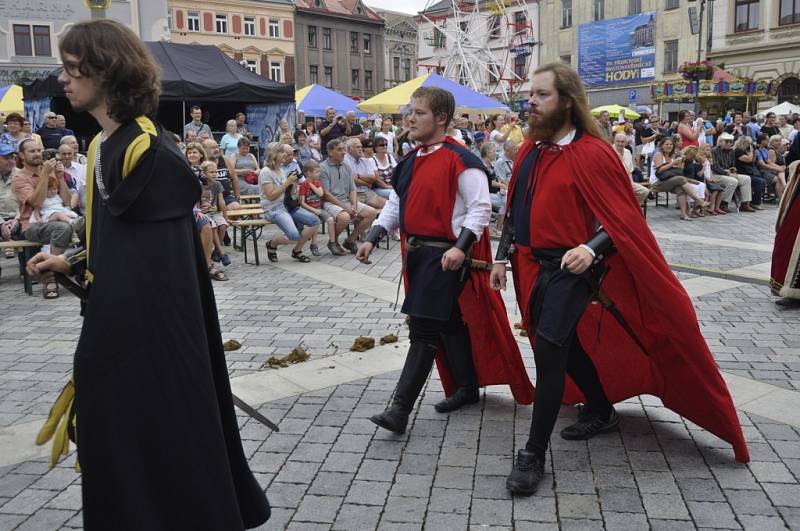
(97, 7)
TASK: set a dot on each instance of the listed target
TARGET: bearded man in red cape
(441, 204)
(581, 250)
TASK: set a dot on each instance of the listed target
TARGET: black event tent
(192, 72)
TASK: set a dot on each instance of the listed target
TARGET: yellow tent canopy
(11, 100)
(614, 110)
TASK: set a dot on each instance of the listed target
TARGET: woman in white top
(387, 134)
(494, 125)
(385, 164)
(229, 143)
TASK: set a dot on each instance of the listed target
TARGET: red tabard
(428, 211)
(583, 182)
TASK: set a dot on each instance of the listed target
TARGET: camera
(48, 154)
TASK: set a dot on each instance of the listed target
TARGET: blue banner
(618, 50)
(264, 120)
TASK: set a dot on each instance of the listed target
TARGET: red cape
(678, 366)
(786, 251)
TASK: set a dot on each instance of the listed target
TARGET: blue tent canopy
(314, 99)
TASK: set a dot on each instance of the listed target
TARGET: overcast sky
(405, 6)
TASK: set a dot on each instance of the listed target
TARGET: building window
(598, 9)
(41, 41)
(193, 21)
(673, 4)
(368, 80)
(566, 14)
(169, 19)
(520, 22)
(634, 7)
(396, 68)
(406, 69)
(274, 28)
(494, 27)
(313, 74)
(670, 56)
(790, 12)
(250, 26)
(492, 73)
(439, 38)
(354, 78)
(367, 44)
(326, 39)
(22, 40)
(566, 59)
(520, 67)
(38, 45)
(222, 23)
(252, 65)
(329, 76)
(353, 42)
(275, 71)
(746, 15)
(312, 36)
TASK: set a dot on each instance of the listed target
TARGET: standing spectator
(708, 127)
(352, 127)
(752, 124)
(341, 198)
(61, 121)
(604, 124)
(645, 138)
(278, 193)
(212, 207)
(72, 142)
(384, 164)
(230, 187)
(245, 166)
(745, 157)
(197, 123)
(229, 142)
(241, 126)
(512, 129)
(723, 167)
(311, 193)
(14, 134)
(494, 130)
(364, 173)
(30, 189)
(688, 129)
(9, 210)
(50, 133)
(387, 134)
(784, 125)
(770, 127)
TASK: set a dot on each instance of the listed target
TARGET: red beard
(543, 127)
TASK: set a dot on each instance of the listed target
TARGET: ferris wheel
(486, 45)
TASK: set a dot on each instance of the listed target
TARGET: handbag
(291, 198)
(251, 177)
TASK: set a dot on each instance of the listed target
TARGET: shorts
(217, 219)
(292, 224)
(366, 196)
(334, 210)
(230, 199)
(383, 192)
(323, 214)
(200, 223)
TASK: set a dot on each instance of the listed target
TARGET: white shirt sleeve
(473, 208)
(389, 217)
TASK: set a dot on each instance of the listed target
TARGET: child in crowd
(311, 193)
(212, 206)
(53, 207)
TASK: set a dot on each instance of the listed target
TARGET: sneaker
(10, 253)
(225, 260)
(589, 424)
(336, 249)
(527, 472)
(215, 257)
(350, 246)
(314, 248)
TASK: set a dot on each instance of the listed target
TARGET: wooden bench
(250, 199)
(25, 251)
(251, 228)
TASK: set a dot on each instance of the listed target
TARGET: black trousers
(552, 363)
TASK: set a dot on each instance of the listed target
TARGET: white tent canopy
(784, 108)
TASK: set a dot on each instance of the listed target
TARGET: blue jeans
(292, 224)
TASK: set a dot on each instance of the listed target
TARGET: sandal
(216, 274)
(687, 218)
(300, 257)
(49, 291)
(272, 252)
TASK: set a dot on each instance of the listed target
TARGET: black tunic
(158, 439)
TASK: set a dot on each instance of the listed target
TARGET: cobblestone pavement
(330, 468)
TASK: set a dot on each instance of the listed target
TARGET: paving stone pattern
(330, 468)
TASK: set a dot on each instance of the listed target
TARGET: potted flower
(696, 70)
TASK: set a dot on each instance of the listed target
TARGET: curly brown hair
(127, 72)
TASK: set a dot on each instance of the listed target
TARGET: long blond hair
(570, 87)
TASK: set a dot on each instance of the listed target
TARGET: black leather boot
(459, 359)
(419, 361)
